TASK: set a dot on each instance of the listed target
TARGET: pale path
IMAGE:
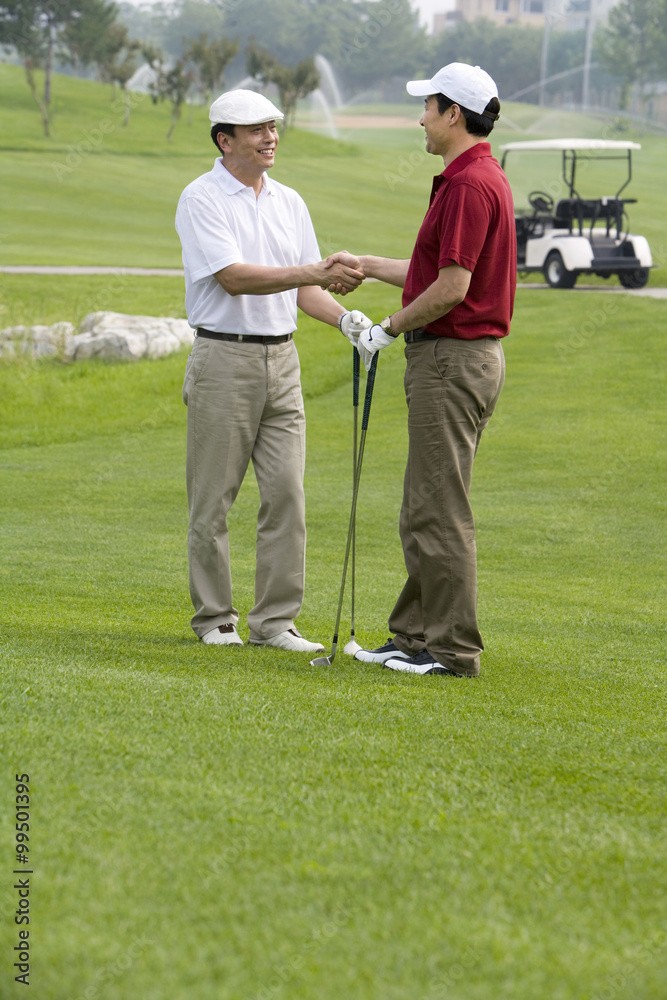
(165, 272)
(647, 292)
(173, 272)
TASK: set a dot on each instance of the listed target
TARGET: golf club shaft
(356, 368)
(370, 382)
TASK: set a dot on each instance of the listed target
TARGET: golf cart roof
(567, 144)
(573, 150)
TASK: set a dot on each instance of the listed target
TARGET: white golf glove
(351, 324)
(371, 341)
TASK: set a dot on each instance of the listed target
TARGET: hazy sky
(426, 8)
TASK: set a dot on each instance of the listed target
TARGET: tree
(37, 29)
(512, 55)
(85, 38)
(293, 83)
(633, 46)
(210, 60)
(381, 42)
(117, 61)
(172, 83)
(369, 43)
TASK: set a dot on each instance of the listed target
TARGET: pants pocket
(186, 380)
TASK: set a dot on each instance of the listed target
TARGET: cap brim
(421, 88)
(235, 120)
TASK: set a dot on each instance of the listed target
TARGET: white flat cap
(243, 107)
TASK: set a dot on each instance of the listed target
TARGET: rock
(36, 341)
(105, 335)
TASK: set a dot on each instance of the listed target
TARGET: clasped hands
(345, 272)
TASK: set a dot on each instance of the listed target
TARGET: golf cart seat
(576, 211)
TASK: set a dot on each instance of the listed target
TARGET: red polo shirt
(470, 222)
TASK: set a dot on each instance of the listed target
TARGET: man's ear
(222, 140)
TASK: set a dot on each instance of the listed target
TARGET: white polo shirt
(220, 222)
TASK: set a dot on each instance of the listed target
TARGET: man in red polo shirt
(458, 296)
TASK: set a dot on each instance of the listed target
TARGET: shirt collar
(475, 152)
(231, 185)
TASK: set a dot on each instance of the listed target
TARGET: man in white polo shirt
(250, 257)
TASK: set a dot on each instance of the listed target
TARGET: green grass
(236, 825)
(100, 193)
(223, 825)
(27, 299)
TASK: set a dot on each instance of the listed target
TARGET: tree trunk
(43, 110)
(175, 115)
(48, 61)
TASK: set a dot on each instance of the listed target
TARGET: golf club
(352, 646)
(326, 661)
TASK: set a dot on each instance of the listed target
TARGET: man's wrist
(387, 327)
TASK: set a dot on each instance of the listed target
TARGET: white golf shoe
(290, 640)
(223, 635)
(421, 663)
(381, 655)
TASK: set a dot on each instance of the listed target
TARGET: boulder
(105, 335)
(115, 335)
(36, 341)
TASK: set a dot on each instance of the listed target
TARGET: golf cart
(579, 235)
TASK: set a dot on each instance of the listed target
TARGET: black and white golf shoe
(422, 663)
(380, 655)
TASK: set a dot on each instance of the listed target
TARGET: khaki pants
(452, 387)
(245, 404)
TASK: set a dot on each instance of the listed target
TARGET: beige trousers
(452, 387)
(245, 404)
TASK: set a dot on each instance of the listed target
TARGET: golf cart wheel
(634, 279)
(556, 274)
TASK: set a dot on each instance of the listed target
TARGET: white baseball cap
(468, 86)
(243, 107)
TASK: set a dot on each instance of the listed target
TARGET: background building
(571, 14)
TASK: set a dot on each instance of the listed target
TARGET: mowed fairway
(217, 824)
(238, 825)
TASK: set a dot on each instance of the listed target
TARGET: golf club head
(321, 661)
(352, 648)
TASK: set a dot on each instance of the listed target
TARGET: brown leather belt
(243, 338)
(411, 336)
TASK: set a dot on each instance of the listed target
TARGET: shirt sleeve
(206, 238)
(464, 226)
(310, 251)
